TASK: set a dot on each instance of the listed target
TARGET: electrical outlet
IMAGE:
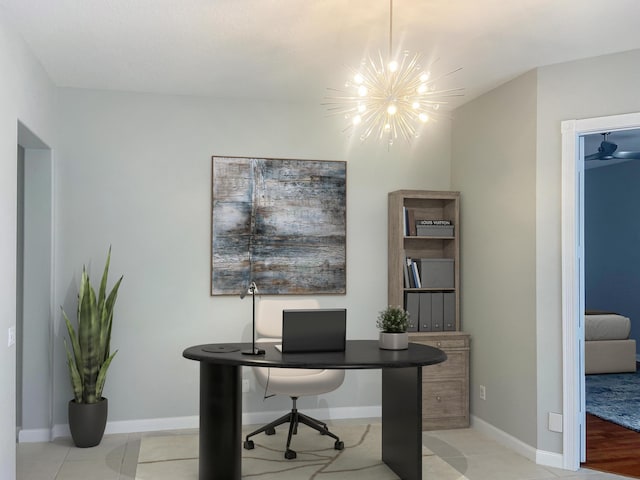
(483, 392)
(12, 336)
(246, 385)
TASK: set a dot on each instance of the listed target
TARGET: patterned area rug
(175, 457)
(615, 397)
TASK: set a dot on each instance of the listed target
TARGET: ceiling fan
(607, 151)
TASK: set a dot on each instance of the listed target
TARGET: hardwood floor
(612, 448)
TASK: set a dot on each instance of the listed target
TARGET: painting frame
(281, 223)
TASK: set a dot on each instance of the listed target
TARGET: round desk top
(358, 354)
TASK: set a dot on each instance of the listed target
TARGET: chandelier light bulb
(424, 118)
(424, 77)
(358, 78)
(357, 119)
(415, 105)
(421, 89)
(362, 108)
(393, 66)
(362, 91)
(392, 109)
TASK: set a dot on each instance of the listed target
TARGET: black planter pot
(87, 422)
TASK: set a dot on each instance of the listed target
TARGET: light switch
(12, 336)
(555, 422)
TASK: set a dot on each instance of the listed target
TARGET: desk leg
(220, 422)
(402, 421)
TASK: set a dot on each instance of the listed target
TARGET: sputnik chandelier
(390, 99)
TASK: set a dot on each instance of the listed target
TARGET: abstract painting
(279, 223)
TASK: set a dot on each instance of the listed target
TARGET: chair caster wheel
(248, 445)
(339, 445)
(290, 455)
(270, 431)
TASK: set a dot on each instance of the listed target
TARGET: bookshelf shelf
(418, 238)
(431, 289)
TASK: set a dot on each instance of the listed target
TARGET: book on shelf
(405, 222)
(433, 222)
(412, 274)
(405, 271)
(411, 283)
(416, 274)
(411, 220)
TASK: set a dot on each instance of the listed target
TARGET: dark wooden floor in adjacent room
(612, 448)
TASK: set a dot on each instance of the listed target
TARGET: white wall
(511, 188)
(26, 94)
(134, 171)
(493, 165)
(594, 87)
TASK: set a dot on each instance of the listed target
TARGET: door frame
(40, 156)
(573, 401)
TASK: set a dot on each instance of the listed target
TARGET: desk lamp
(254, 351)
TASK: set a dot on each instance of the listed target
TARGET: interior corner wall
(493, 165)
(26, 94)
(133, 171)
(594, 87)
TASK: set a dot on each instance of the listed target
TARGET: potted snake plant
(89, 358)
(393, 323)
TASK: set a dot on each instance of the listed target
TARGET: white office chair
(294, 382)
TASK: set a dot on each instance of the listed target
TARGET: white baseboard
(550, 459)
(182, 423)
(541, 457)
(34, 435)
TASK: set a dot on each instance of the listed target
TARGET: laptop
(315, 330)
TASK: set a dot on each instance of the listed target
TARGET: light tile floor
(473, 455)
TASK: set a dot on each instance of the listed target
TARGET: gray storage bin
(434, 230)
(437, 273)
(449, 311)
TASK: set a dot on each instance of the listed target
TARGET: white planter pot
(394, 341)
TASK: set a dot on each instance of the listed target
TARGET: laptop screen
(316, 330)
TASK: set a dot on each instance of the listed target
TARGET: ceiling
(295, 49)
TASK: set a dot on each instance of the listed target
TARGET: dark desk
(221, 399)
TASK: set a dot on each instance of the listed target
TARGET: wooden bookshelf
(446, 387)
(425, 205)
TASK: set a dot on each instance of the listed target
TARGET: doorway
(573, 282)
(34, 288)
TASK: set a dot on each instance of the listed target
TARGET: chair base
(294, 418)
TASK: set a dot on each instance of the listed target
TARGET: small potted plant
(89, 358)
(393, 323)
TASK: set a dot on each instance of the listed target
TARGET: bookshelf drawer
(454, 366)
(444, 400)
(441, 342)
